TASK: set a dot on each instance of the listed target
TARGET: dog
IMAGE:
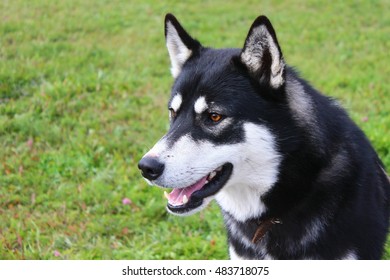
(294, 177)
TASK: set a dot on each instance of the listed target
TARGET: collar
(263, 227)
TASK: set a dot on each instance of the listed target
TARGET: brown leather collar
(263, 227)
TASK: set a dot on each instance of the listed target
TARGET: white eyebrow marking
(176, 102)
(200, 105)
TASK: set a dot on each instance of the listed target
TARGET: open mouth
(183, 200)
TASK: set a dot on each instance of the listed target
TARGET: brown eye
(215, 117)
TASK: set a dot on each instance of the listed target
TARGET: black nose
(151, 168)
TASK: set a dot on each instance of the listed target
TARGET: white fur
(200, 105)
(384, 171)
(313, 232)
(300, 102)
(255, 171)
(255, 168)
(236, 231)
(176, 102)
(178, 52)
(350, 255)
(303, 110)
(259, 40)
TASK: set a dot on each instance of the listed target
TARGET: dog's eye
(215, 117)
(172, 114)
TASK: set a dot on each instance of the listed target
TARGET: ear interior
(180, 44)
(262, 55)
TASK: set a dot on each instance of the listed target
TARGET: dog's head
(222, 106)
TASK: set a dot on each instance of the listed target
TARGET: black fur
(330, 178)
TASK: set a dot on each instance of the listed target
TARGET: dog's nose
(151, 168)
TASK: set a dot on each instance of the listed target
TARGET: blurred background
(83, 92)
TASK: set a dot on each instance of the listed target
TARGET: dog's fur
(295, 178)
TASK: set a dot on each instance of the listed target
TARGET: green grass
(83, 87)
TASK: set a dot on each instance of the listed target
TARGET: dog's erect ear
(262, 55)
(179, 43)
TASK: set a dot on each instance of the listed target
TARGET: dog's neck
(253, 229)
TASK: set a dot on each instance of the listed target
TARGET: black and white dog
(295, 178)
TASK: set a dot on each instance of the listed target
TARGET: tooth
(212, 175)
(185, 199)
(207, 181)
(166, 195)
(219, 169)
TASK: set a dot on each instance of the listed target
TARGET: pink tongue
(176, 196)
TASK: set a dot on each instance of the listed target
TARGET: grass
(83, 86)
